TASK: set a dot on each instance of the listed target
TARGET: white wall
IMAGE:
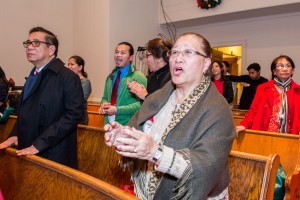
(90, 29)
(179, 10)
(91, 41)
(18, 17)
(263, 39)
(100, 25)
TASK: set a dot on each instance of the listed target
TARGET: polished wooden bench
(7, 127)
(32, 177)
(287, 146)
(252, 176)
(239, 112)
(95, 119)
(97, 159)
(238, 115)
(93, 107)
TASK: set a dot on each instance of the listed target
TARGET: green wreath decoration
(207, 4)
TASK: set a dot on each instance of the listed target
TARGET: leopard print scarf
(178, 114)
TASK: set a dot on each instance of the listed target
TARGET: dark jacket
(3, 94)
(49, 115)
(228, 90)
(248, 92)
(158, 79)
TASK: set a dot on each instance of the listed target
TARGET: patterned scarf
(178, 114)
(283, 111)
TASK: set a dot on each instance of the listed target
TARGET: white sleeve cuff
(165, 159)
(171, 162)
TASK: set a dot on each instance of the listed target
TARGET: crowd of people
(165, 126)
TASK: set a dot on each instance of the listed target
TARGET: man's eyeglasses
(35, 43)
(186, 53)
(281, 66)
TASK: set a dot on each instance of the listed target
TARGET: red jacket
(260, 111)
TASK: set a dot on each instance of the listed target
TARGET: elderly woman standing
(76, 64)
(181, 137)
(276, 107)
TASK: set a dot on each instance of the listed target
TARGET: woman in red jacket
(276, 107)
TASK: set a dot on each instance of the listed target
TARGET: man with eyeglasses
(118, 103)
(51, 104)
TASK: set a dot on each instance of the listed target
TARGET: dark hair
(254, 66)
(274, 63)
(159, 48)
(79, 61)
(13, 99)
(226, 63)
(3, 77)
(221, 67)
(131, 50)
(205, 47)
(50, 37)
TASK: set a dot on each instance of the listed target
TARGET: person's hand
(138, 145)
(10, 141)
(111, 110)
(238, 129)
(27, 151)
(108, 109)
(138, 89)
(114, 131)
(244, 84)
(103, 108)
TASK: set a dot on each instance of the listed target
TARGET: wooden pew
(95, 119)
(239, 112)
(7, 127)
(93, 107)
(97, 159)
(32, 177)
(252, 176)
(287, 146)
(238, 115)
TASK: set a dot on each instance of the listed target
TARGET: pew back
(32, 177)
(93, 107)
(7, 127)
(97, 159)
(95, 119)
(252, 176)
(264, 143)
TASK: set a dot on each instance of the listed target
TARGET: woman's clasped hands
(130, 142)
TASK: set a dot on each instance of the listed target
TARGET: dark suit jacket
(49, 115)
